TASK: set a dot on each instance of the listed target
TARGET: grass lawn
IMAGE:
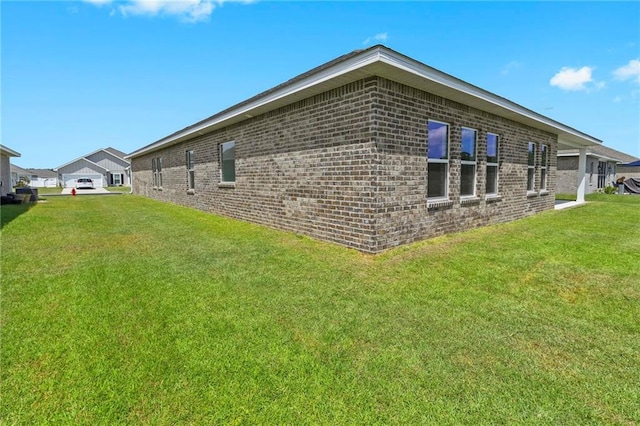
(124, 310)
(47, 191)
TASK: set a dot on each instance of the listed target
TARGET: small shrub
(609, 189)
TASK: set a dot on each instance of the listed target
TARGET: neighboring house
(371, 150)
(601, 168)
(5, 169)
(18, 174)
(629, 170)
(43, 178)
(107, 167)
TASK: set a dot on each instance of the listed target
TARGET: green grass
(566, 197)
(47, 191)
(125, 189)
(123, 310)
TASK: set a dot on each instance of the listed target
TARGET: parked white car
(84, 183)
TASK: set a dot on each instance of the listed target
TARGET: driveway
(94, 191)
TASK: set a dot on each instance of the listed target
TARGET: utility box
(31, 191)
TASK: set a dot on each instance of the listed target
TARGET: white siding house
(5, 169)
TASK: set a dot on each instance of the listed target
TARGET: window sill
(466, 201)
(191, 191)
(531, 194)
(227, 185)
(157, 188)
(544, 192)
(439, 204)
(492, 198)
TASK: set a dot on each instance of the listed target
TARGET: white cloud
(381, 37)
(572, 78)
(186, 10)
(631, 71)
(617, 99)
(510, 67)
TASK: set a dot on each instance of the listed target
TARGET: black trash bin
(28, 190)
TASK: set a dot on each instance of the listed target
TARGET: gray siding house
(371, 150)
(106, 167)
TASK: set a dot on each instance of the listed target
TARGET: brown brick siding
(349, 166)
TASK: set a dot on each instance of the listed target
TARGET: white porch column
(582, 179)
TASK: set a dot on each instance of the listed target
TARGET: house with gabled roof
(6, 185)
(600, 167)
(43, 178)
(371, 150)
(106, 167)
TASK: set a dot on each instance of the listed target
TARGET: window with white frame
(531, 166)
(154, 172)
(544, 160)
(437, 159)
(191, 171)
(468, 162)
(493, 143)
(228, 162)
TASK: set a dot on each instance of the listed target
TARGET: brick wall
(405, 213)
(349, 166)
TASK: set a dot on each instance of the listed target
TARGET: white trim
(473, 163)
(381, 61)
(488, 164)
(446, 162)
(81, 159)
(5, 150)
(531, 167)
(544, 155)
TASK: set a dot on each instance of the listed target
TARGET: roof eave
(9, 152)
(384, 62)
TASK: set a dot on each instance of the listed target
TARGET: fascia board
(322, 76)
(362, 62)
(81, 159)
(412, 66)
(9, 152)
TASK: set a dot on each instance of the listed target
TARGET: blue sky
(79, 76)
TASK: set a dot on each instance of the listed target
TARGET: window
(191, 172)
(602, 174)
(544, 160)
(159, 167)
(468, 163)
(228, 162)
(492, 164)
(531, 166)
(116, 179)
(438, 159)
(154, 172)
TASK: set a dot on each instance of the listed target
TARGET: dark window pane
(531, 153)
(228, 162)
(467, 179)
(492, 180)
(437, 177)
(530, 177)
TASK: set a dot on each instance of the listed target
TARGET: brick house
(371, 150)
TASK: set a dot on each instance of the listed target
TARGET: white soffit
(383, 62)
